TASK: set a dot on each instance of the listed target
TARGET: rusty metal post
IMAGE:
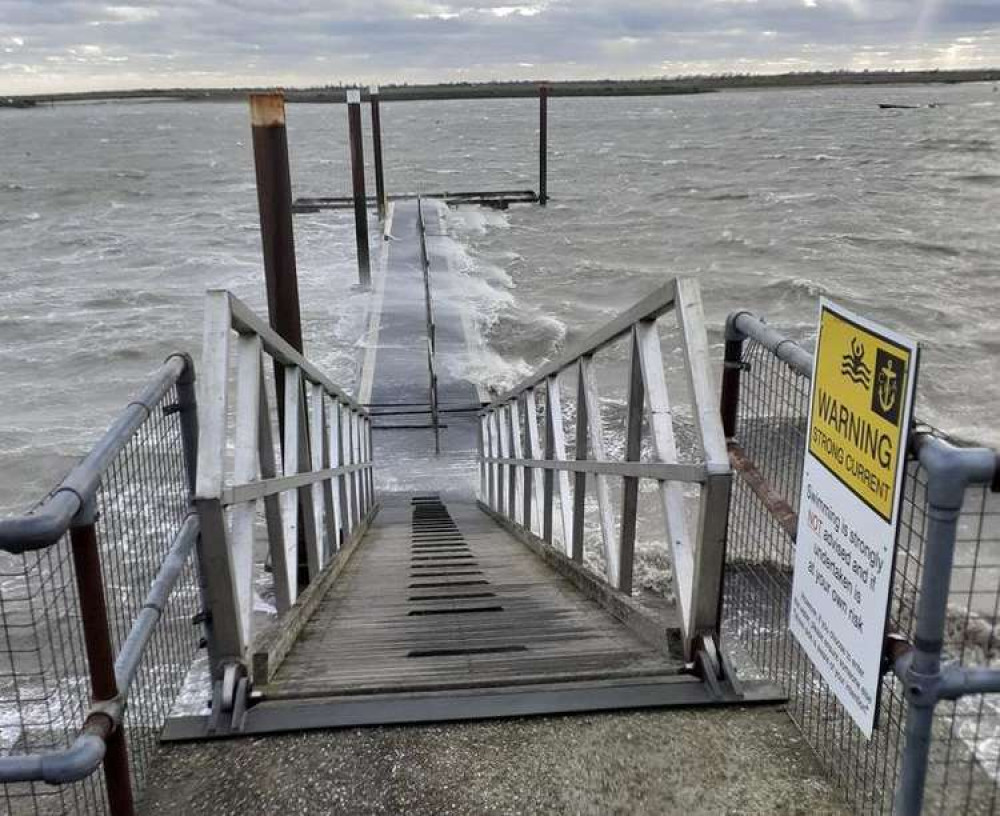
(274, 198)
(543, 144)
(732, 366)
(358, 184)
(380, 198)
(100, 655)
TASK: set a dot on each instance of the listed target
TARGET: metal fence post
(732, 365)
(358, 186)
(543, 144)
(100, 653)
(380, 199)
(949, 471)
(187, 406)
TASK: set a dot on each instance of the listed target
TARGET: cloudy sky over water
(65, 45)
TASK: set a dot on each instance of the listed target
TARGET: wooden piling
(543, 144)
(380, 198)
(274, 198)
(358, 184)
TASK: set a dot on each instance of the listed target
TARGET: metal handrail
(70, 507)
(317, 500)
(49, 521)
(655, 304)
(425, 266)
(511, 487)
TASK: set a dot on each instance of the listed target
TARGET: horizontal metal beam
(656, 303)
(661, 471)
(319, 203)
(470, 704)
(245, 321)
(238, 494)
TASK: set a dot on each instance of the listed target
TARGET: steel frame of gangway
(567, 684)
(335, 485)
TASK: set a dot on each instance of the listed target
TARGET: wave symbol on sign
(853, 365)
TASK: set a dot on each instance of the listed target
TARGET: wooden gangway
(437, 586)
(442, 615)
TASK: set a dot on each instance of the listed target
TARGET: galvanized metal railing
(316, 505)
(98, 597)
(531, 479)
(425, 265)
(927, 754)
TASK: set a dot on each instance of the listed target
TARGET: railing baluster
(290, 451)
(554, 416)
(516, 480)
(322, 493)
(215, 555)
(580, 477)
(630, 485)
(506, 471)
(595, 427)
(282, 563)
(245, 469)
(661, 428)
(713, 511)
(356, 459)
(532, 479)
(483, 455)
(337, 456)
(491, 499)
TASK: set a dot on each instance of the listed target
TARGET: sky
(75, 45)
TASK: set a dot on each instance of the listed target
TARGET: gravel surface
(687, 761)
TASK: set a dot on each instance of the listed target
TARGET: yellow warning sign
(861, 390)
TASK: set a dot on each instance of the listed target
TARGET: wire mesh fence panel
(768, 451)
(142, 503)
(44, 684)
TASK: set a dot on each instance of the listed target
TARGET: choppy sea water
(115, 218)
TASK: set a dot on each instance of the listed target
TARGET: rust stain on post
(267, 109)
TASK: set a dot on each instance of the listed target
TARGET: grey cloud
(80, 43)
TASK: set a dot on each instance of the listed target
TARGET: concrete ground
(685, 761)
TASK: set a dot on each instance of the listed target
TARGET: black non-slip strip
(453, 596)
(449, 583)
(448, 557)
(441, 574)
(470, 651)
(463, 550)
(466, 611)
(439, 545)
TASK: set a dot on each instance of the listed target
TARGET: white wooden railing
(318, 492)
(530, 478)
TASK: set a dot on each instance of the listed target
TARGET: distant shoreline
(501, 90)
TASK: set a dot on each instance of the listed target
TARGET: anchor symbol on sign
(888, 386)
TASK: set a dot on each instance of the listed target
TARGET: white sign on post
(864, 378)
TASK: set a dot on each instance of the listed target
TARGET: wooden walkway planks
(455, 606)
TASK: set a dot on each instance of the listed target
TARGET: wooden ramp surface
(444, 601)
